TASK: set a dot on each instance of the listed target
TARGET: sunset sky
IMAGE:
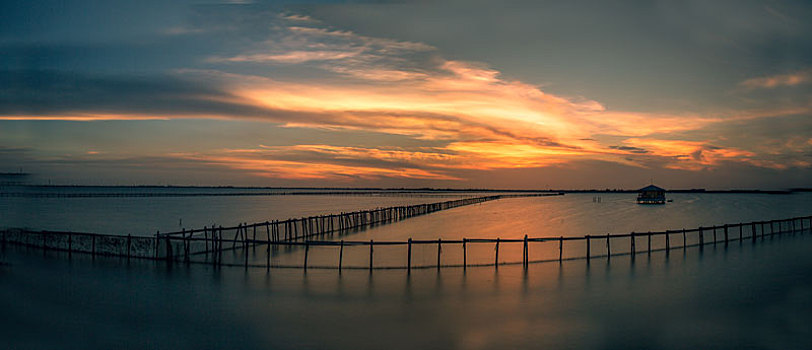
(460, 93)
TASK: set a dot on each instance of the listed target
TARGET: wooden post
(129, 239)
(340, 254)
(560, 248)
(740, 232)
(409, 259)
(762, 230)
(526, 258)
(633, 251)
(186, 244)
(245, 249)
(753, 231)
(649, 242)
(496, 256)
(371, 243)
(220, 240)
(236, 234)
(307, 250)
(667, 241)
(684, 240)
(464, 255)
(608, 248)
(701, 237)
(726, 237)
(268, 255)
(587, 247)
(714, 234)
(439, 250)
(168, 243)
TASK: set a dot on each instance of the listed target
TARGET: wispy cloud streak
(775, 81)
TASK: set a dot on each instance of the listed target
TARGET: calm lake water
(740, 295)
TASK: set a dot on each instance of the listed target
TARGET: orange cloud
(255, 162)
(771, 82)
(691, 155)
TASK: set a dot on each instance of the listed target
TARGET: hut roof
(651, 188)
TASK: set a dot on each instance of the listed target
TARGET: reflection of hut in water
(651, 195)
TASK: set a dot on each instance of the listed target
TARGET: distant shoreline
(349, 190)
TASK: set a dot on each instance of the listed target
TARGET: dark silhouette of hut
(651, 195)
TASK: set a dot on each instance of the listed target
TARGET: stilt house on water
(651, 195)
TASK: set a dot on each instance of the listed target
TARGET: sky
(445, 94)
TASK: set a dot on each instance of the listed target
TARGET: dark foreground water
(739, 296)
(736, 296)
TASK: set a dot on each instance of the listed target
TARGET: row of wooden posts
(306, 227)
(729, 232)
(182, 247)
(80, 242)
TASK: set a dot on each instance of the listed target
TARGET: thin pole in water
(701, 238)
(340, 255)
(409, 259)
(753, 231)
(496, 256)
(684, 240)
(307, 250)
(608, 249)
(464, 255)
(740, 232)
(371, 243)
(439, 251)
(632, 245)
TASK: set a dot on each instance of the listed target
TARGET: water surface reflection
(736, 296)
